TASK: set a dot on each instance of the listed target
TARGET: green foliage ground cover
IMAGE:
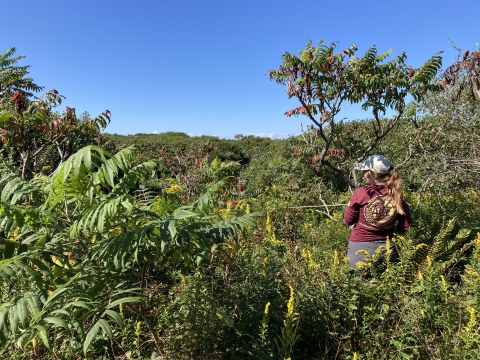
(165, 246)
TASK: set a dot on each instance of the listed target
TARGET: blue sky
(200, 66)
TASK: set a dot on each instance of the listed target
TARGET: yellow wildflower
(429, 261)
(388, 246)
(265, 261)
(174, 188)
(264, 326)
(379, 250)
(291, 302)
(337, 215)
(361, 265)
(472, 322)
(444, 283)
(138, 328)
(268, 224)
(307, 255)
(476, 251)
(364, 252)
(335, 259)
(471, 275)
(271, 234)
(267, 307)
(14, 235)
(116, 231)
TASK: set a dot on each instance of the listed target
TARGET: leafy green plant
(13, 77)
(445, 249)
(85, 243)
(29, 132)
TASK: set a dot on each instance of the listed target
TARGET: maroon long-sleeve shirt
(374, 216)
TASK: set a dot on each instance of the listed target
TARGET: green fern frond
(455, 258)
(438, 246)
(446, 248)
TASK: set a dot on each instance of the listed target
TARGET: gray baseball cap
(375, 163)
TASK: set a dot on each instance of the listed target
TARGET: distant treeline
(240, 149)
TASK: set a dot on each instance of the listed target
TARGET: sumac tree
(29, 128)
(13, 77)
(323, 81)
(77, 244)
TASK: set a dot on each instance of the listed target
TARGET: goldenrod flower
(335, 259)
(476, 251)
(14, 235)
(471, 275)
(174, 188)
(291, 302)
(264, 326)
(388, 247)
(138, 328)
(444, 283)
(361, 251)
(268, 224)
(361, 265)
(271, 234)
(379, 250)
(265, 261)
(429, 261)
(116, 231)
(472, 322)
(307, 255)
(267, 307)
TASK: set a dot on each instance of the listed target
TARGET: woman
(377, 210)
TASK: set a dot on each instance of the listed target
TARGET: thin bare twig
(327, 212)
(407, 157)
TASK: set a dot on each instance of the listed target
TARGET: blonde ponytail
(395, 188)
